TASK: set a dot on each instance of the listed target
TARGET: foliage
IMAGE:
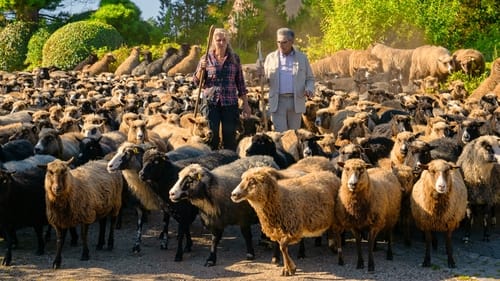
(72, 43)
(470, 82)
(125, 17)
(35, 46)
(13, 45)
(247, 23)
(28, 10)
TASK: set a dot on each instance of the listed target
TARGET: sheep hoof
(163, 246)
(209, 263)
(178, 258)
(250, 256)
(466, 240)
(287, 272)
(56, 264)
(6, 262)
(275, 260)
(136, 249)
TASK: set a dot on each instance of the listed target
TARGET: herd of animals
(381, 148)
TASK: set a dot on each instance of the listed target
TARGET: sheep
(367, 199)
(154, 68)
(263, 144)
(100, 66)
(187, 64)
(488, 84)
(352, 129)
(71, 199)
(9, 131)
(336, 64)
(16, 150)
(290, 209)
(394, 59)
(364, 59)
(430, 60)
(479, 163)
(63, 146)
(131, 62)
(175, 58)
(437, 204)
(141, 68)
(22, 202)
(470, 61)
(210, 191)
(89, 60)
(138, 133)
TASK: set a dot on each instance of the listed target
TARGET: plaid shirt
(228, 78)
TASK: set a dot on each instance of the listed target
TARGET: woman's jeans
(229, 118)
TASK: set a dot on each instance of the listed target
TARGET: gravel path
(477, 260)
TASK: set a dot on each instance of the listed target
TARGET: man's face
(284, 44)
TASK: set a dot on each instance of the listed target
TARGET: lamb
(131, 62)
(470, 61)
(431, 60)
(187, 64)
(100, 66)
(479, 162)
(210, 191)
(438, 204)
(290, 209)
(367, 199)
(72, 199)
(488, 84)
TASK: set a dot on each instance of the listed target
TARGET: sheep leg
(389, 255)
(9, 232)
(164, 232)
(302, 249)
(247, 235)
(181, 232)
(212, 258)
(449, 250)
(102, 231)
(74, 237)
(289, 266)
(60, 236)
(111, 235)
(340, 254)
(434, 242)
(138, 231)
(85, 245)
(372, 240)
(40, 242)
(357, 236)
(428, 241)
(468, 223)
(276, 253)
(486, 225)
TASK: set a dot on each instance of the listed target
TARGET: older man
(291, 82)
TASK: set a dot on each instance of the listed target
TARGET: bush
(72, 43)
(13, 45)
(35, 46)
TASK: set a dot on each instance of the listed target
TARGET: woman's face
(220, 41)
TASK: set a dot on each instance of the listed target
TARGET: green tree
(28, 10)
(13, 45)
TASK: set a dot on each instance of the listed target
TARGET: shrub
(13, 45)
(35, 46)
(72, 43)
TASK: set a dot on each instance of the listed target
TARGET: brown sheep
(394, 60)
(364, 59)
(138, 134)
(89, 60)
(8, 131)
(489, 84)
(126, 119)
(470, 61)
(100, 66)
(337, 64)
(309, 116)
(353, 128)
(368, 199)
(431, 60)
(71, 199)
(438, 203)
(479, 162)
(131, 62)
(187, 64)
(290, 209)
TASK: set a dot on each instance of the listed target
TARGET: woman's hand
(247, 112)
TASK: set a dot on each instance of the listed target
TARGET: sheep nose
(317, 122)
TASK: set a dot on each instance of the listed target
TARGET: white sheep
(438, 203)
(290, 209)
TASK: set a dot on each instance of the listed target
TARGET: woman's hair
(227, 36)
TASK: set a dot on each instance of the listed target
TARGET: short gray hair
(287, 32)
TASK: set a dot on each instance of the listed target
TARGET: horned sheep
(210, 191)
(71, 199)
(438, 204)
(290, 209)
(367, 199)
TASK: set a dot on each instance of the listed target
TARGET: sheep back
(430, 60)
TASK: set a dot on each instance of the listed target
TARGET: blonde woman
(224, 84)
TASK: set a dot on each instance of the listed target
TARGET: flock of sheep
(382, 147)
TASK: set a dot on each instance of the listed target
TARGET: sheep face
(352, 129)
(55, 178)
(440, 173)
(323, 119)
(262, 144)
(137, 131)
(48, 142)
(92, 131)
(128, 156)
(201, 128)
(354, 172)
(489, 150)
(90, 149)
(253, 185)
(190, 179)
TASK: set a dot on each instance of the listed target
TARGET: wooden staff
(202, 77)
(262, 103)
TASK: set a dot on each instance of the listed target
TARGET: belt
(286, 95)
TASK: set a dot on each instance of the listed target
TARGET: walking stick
(202, 77)
(262, 104)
